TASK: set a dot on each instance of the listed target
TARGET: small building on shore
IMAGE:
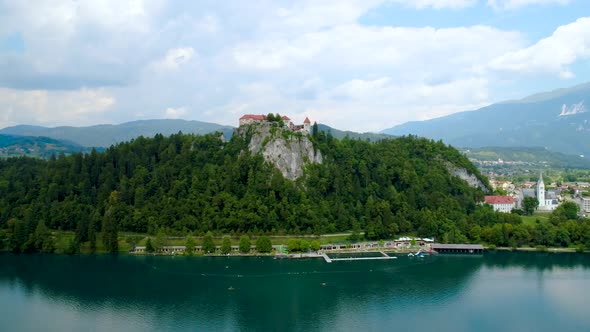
(458, 248)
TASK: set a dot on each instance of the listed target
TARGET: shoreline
(353, 251)
(548, 249)
(314, 254)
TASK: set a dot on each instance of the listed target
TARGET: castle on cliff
(248, 119)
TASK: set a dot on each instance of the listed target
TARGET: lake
(499, 291)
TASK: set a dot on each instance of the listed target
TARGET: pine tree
(41, 235)
(92, 234)
(19, 236)
(110, 235)
(109, 232)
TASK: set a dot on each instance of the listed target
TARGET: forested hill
(202, 183)
(40, 147)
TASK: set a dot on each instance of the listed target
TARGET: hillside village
(548, 199)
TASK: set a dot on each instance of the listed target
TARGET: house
(585, 206)
(529, 184)
(501, 203)
(504, 185)
(287, 121)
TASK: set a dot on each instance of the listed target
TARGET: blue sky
(356, 65)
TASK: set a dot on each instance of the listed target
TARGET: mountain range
(558, 121)
(535, 155)
(106, 135)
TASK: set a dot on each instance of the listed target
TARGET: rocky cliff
(288, 151)
(471, 179)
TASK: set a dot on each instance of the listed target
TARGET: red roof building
(284, 117)
(306, 120)
(501, 203)
(499, 199)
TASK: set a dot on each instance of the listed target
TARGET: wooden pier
(330, 260)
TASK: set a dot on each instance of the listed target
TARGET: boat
(418, 254)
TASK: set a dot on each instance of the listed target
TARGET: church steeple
(541, 190)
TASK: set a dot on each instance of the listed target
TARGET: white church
(547, 198)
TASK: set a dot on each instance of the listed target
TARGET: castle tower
(306, 125)
(541, 191)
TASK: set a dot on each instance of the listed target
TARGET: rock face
(462, 174)
(286, 150)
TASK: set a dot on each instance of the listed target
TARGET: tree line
(198, 184)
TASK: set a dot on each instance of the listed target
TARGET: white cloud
(309, 15)
(551, 55)
(515, 4)
(84, 106)
(389, 74)
(175, 58)
(382, 102)
(379, 48)
(175, 113)
(436, 4)
(216, 60)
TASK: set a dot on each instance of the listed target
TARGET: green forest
(190, 184)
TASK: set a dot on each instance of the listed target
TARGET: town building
(585, 204)
(501, 203)
(548, 199)
(507, 186)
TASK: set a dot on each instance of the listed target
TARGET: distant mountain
(531, 155)
(41, 147)
(558, 120)
(340, 134)
(106, 135)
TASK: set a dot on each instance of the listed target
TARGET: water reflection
(178, 293)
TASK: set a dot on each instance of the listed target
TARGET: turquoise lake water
(500, 291)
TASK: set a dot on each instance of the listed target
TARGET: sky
(361, 65)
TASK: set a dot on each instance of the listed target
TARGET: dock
(330, 260)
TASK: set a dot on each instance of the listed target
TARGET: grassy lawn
(64, 238)
(531, 220)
